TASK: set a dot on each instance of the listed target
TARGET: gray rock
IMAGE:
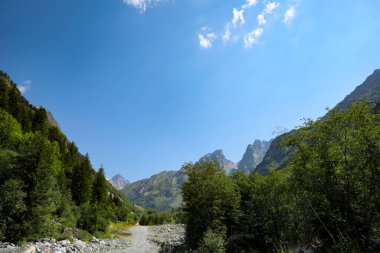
(219, 157)
(254, 154)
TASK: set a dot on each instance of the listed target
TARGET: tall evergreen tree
(99, 189)
(82, 178)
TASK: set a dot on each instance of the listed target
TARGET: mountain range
(163, 190)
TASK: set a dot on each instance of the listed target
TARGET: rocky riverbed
(171, 235)
(48, 245)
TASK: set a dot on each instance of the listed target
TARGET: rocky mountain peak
(253, 155)
(118, 181)
(219, 157)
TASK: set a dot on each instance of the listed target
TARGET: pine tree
(82, 181)
(99, 189)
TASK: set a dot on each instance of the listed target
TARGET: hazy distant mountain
(161, 191)
(219, 157)
(118, 181)
(277, 157)
(253, 155)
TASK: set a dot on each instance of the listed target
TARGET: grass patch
(119, 229)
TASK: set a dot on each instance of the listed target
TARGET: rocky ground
(172, 235)
(141, 239)
(47, 245)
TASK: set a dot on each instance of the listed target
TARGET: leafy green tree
(10, 130)
(266, 212)
(211, 202)
(335, 176)
(212, 243)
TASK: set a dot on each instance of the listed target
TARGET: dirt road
(140, 243)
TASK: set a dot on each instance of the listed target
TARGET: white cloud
(270, 6)
(289, 14)
(238, 17)
(142, 5)
(205, 41)
(25, 86)
(252, 37)
(227, 33)
(249, 3)
(261, 19)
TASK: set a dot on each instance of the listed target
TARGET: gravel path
(139, 241)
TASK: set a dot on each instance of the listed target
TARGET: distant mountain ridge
(162, 191)
(118, 181)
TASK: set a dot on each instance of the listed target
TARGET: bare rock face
(118, 181)
(253, 155)
(219, 157)
(52, 120)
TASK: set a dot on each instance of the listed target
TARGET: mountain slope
(253, 155)
(368, 91)
(161, 191)
(277, 156)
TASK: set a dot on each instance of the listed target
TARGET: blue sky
(147, 85)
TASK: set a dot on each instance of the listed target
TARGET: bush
(212, 242)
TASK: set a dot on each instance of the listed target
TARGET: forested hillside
(47, 187)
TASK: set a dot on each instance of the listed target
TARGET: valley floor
(146, 239)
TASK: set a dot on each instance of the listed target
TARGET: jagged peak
(218, 152)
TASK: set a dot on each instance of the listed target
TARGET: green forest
(47, 187)
(326, 198)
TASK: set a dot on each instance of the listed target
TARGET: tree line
(326, 198)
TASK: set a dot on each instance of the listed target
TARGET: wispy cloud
(249, 3)
(142, 5)
(25, 86)
(261, 19)
(252, 37)
(289, 14)
(227, 33)
(238, 17)
(236, 26)
(206, 38)
(270, 7)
